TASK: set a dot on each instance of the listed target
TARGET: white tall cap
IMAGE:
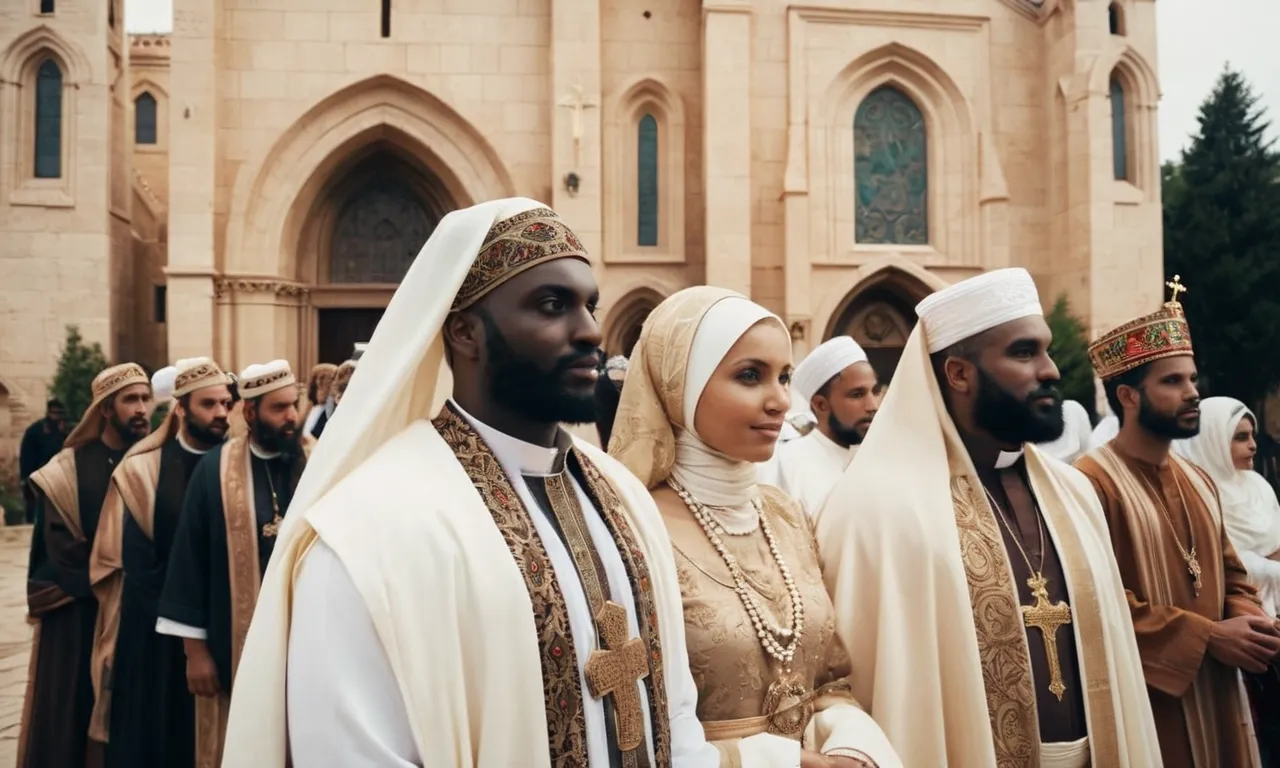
(969, 307)
(831, 357)
(162, 382)
(260, 378)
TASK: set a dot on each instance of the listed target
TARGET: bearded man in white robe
(468, 585)
(972, 576)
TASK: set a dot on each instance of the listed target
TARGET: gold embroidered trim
(242, 539)
(514, 245)
(267, 382)
(199, 377)
(1002, 639)
(118, 377)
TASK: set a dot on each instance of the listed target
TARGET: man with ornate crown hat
(490, 591)
(235, 501)
(972, 576)
(72, 493)
(142, 702)
(1197, 619)
(838, 385)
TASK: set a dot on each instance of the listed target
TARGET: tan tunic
(1173, 638)
(730, 667)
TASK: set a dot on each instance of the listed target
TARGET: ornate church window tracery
(890, 170)
(378, 234)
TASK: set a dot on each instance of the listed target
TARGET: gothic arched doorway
(627, 320)
(879, 314)
(367, 226)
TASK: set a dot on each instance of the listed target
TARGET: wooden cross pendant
(615, 672)
(1047, 617)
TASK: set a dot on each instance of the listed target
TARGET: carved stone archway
(879, 314)
(622, 329)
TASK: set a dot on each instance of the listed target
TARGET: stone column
(726, 126)
(575, 119)
(193, 173)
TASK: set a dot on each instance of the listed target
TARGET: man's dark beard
(519, 384)
(1015, 421)
(845, 437)
(130, 431)
(204, 434)
(1160, 425)
(275, 440)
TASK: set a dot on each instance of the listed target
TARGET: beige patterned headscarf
(652, 407)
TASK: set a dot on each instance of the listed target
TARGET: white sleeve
(344, 705)
(178, 629)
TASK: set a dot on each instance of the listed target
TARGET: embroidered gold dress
(730, 668)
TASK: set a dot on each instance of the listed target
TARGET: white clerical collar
(182, 441)
(1007, 459)
(263, 454)
(524, 458)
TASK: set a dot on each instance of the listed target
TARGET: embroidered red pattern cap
(1152, 337)
(516, 244)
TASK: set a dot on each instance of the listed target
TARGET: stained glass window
(144, 119)
(647, 181)
(1119, 133)
(890, 170)
(378, 234)
(48, 121)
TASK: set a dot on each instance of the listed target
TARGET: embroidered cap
(197, 373)
(262, 378)
(105, 384)
(516, 244)
(1152, 337)
(969, 307)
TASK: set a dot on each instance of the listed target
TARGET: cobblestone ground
(15, 636)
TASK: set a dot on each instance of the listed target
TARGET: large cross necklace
(1043, 615)
(1188, 557)
(272, 528)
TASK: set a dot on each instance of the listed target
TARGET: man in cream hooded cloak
(923, 583)
(444, 661)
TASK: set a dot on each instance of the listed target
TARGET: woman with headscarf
(1225, 449)
(705, 399)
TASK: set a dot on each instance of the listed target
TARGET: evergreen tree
(1070, 351)
(73, 382)
(1222, 235)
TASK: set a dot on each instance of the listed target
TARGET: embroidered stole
(566, 720)
(236, 476)
(1154, 576)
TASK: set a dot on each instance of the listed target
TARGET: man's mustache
(588, 355)
(1046, 391)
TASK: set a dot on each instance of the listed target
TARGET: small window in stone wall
(1119, 132)
(144, 119)
(386, 18)
(48, 121)
(46, 6)
(111, 14)
(890, 170)
(647, 182)
(1115, 19)
(160, 303)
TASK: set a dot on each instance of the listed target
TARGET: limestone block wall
(59, 242)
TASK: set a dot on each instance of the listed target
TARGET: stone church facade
(254, 184)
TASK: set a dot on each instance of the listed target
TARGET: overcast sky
(1197, 37)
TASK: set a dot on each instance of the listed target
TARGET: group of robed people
(491, 591)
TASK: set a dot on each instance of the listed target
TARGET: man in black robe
(70, 491)
(40, 443)
(145, 706)
(235, 501)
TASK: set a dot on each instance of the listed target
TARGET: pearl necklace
(772, 637)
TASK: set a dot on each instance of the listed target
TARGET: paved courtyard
(15, 636)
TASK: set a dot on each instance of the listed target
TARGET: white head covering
(162, 382)
(969, 307)
(1105, 432)
(830, 358)
(1250, 510)
(403, 377)
(1075, 440)
(260, 378)
(720, 329)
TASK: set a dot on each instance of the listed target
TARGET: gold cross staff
(1047, 617)
(1176, 287)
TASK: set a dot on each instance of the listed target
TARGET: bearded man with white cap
(142, 707)
(235, 502)
(972, 576)
(840, 387)
(490, 591)
(72, 494)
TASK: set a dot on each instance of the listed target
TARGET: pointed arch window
(144, 119)
(1115, 19)
(48, 112)
(647, 181)
(890, 169)
(1119, 131)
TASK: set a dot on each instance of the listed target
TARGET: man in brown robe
(70, 492)
(1196, 617)
(141, 697)
(235, 502)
